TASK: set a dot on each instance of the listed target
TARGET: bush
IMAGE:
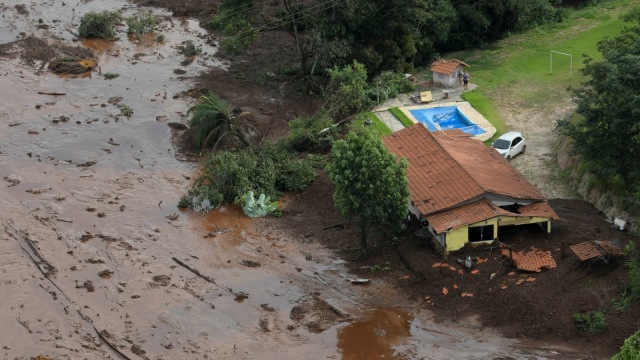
(228, 176)
(110, 76)
(188, 48)
(388, 85)
(630, 350)
(143, 24)
(594, 323)
(99, 24)
(125, 110)
(233, 21)
(315, 133)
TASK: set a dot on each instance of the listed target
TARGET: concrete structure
(462, 190)
(446, 72)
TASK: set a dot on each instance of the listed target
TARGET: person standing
(465, 80)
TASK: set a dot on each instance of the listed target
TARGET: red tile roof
(446, 66)
(533, 260)
(538, 209)
(593, 249)
(449, 168)
(493, 173)
(465, 215)
(436, 180)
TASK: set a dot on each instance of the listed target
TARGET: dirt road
(96, 260)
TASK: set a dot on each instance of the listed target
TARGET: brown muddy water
(96, 260)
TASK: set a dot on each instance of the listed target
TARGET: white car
(510, 144)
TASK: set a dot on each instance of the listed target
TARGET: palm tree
(214, 120)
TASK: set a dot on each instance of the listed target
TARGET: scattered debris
(359, 281)
(115, 100)
(177, 126)
(241, 296)
(162, 280)
(13, 179)
(88, 284)
(87, 164)
(217, 232)
(267, 307)
(595, 250)
(533, 260)
(264, 324)
(249, 263)
(171, 217)
(105, 274)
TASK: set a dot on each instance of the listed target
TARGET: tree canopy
(608, 135)
(370, 184)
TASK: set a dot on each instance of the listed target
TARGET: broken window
(481, 233)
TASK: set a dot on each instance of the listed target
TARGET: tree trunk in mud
(363, 238)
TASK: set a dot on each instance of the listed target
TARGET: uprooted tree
(371, 184)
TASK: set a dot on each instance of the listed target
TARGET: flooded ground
(98, 262)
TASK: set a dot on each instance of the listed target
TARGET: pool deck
(453, 98)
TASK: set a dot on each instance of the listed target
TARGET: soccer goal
(551, 52)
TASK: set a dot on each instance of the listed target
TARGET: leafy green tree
(608, 135)
(370, 183)
(630, 350)
(214, 120)
(346, 89)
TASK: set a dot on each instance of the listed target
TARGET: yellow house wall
(457, 238)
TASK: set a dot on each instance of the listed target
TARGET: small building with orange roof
(447, 72)
(463, 190)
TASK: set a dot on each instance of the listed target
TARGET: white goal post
(560, 53)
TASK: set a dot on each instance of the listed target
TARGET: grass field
(376, 126)
(517, 69)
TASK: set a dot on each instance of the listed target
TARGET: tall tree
(608, 136)
(370, 183)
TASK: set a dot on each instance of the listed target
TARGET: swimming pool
(446, 117)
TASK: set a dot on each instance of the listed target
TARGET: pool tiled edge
(465, 108)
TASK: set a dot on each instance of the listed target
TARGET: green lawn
(517, 68)
(376, 126)
(402, 117)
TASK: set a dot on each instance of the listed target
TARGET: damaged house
(463, 191)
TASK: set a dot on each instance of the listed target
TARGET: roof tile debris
(447, 66)
(594, 249)
(533, 260)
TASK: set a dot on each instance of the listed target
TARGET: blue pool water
(444, 118)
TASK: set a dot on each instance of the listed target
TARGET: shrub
(160, 38)
(594, 323)
(143, 24)
(99, 24)
(228, 176)
(125, 110)
(630, 350)
(315, 133)
(188, 48)
(388, 85)
(110, 76)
